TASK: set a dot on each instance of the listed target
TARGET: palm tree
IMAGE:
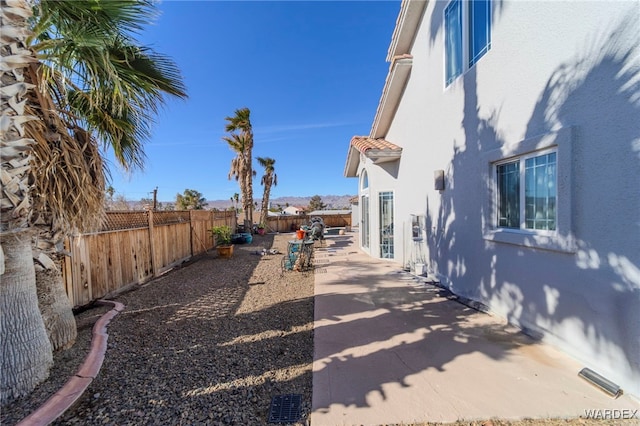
(268, 179)
(241, 166)
(25, 354)
(239, 170)
(235, 198)
(94, 82)
(110, 192)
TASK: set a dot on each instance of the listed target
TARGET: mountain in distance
(331, 201)
(337, 202)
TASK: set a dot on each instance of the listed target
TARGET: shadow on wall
(595, 293)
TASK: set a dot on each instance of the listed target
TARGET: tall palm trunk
(250, 174)
(241, 166)
(62, 162)
(264, 214)
(268, 179)
(53, 301)
(25, 351)
(249, 200)
(25, 357)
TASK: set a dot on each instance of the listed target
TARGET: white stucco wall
(554, 68)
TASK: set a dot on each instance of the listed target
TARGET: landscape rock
(208, 343)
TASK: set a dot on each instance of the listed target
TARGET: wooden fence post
(67, 272)
(152, 246)
(191, 231)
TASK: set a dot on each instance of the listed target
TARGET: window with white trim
(526, 192)
(453, 40)
(528, 199)
(467, 35)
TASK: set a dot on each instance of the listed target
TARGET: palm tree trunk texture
(55, 306)
(25, 351)
(268, 179)
(250, 174)
(58, 155)
(249, 199)
(264, 214)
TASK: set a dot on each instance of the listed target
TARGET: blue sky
(310, 72)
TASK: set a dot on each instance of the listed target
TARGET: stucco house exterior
(505, 156)
(294, 210)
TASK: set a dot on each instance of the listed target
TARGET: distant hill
(332, 202)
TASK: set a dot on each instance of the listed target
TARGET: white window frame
(365, 212)
(472, 60)
(562, 238)
(450, 79)
(392, 224)
(467, 61)
(364, 180)
(521, 159)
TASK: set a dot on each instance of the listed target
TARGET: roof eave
(379, 156)
(409, 17)
(391, 94)
(353, 161)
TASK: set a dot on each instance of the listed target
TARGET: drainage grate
(285, 408)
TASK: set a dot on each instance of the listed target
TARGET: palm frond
(66, 17)
(110, 84)
(67, 171)
(241, 121)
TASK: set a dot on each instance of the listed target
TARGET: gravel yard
(208, 343)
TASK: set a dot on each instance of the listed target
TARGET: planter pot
(261, 231)
(225, 252)
(238, 239)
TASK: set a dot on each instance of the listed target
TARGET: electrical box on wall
(417, 227)
(438, 179)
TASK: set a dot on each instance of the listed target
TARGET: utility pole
(155, 198)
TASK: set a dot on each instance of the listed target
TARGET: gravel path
(208, 343)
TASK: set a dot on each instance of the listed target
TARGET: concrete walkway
(391, 349)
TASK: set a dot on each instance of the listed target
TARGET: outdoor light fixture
(438, 178)
(600, 382)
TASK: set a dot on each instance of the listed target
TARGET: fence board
(133, 247)
(81, 293)
(98, 255)
(172, 244)
(142, 265)
(289, 223)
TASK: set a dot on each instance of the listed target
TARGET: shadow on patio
(390, 348)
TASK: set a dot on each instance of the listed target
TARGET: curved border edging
(77, 384)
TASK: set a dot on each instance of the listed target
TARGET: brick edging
(77, 384)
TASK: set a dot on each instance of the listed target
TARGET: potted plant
(261, 229)
(222, 235)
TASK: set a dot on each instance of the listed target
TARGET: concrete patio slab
(391, 349)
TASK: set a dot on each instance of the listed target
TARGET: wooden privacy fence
(134, 247)
(288, 223)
